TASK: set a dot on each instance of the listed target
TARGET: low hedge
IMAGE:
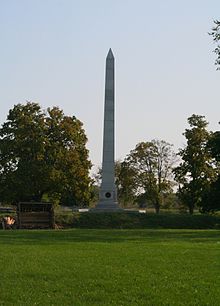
(134, 220)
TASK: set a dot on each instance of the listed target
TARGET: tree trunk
(191, 209)
(157, 208)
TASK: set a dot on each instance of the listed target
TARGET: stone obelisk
(108, 194)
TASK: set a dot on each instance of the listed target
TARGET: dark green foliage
(43, 155)
(214, 145)
(211, 197)
(132, 220)
(197, 169)
(22, 161)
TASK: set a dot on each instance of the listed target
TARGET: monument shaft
(108, 194)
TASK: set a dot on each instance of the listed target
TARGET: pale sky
(53, 52)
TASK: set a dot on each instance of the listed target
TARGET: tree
(22, 139)
(43, 154)
(211, 198)
(67, 152)
(152, 162)
(216, 38)
(196, 170)
(214, 145)
(126, 183)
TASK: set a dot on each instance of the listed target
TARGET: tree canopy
(43, 154)
(126, 182)
(146, 173)
(211, 197)
(196, 170)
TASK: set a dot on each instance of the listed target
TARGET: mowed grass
(110, 267)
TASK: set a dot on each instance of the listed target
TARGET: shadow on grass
(52, 237)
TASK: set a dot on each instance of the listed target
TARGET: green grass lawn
(110, 267)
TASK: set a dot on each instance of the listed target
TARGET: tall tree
(211, 198)
(66, 151)
(22, 150)
(196, 170)
(215, 33)
(153, 163)
(43, 153)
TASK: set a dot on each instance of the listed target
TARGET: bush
(135, 220)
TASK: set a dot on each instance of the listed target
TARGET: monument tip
(110, 54)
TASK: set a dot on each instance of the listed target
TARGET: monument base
(105, 206)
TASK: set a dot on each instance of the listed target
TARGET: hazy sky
(53, 52)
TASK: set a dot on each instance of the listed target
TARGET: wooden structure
(35, 215)
(6, 210)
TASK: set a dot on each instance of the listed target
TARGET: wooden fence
(34, 215)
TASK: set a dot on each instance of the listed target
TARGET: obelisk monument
(108, 194)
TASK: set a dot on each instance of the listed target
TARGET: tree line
(43, 157)
(149, 173)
